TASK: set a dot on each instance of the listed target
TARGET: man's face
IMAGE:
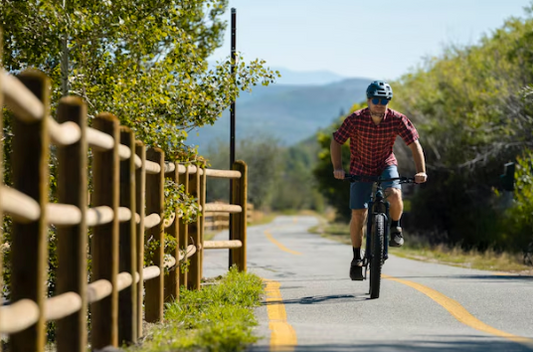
(376, 105)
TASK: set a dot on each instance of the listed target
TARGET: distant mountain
(289, 113)
(307, 77)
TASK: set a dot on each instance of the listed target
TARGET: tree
(262, 154)
(336, 192)
(298, 188)
(470, 105)
(144, 61)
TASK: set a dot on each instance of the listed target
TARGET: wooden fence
(216, 221)
(126, 209)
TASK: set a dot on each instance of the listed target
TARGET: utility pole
(233, 62)
(232, 117)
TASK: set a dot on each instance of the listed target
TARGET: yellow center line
(460, 313)
(283, 336)
(279, 244)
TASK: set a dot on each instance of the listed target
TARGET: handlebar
(358, 178)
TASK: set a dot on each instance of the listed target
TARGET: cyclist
(372, 132)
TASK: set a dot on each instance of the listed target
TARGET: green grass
(456, 256)
(217, 318)
(339, 232)
(264, 219)
(419, 249)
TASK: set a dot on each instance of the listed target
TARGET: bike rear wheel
(376, 254)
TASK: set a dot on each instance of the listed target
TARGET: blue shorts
(360, 192)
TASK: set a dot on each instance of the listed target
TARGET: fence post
(172, 283)
(29, 247)
(202, 193)
(127, 305)
(1, 160)
(140, 201)
(72, 240)
(238, 220)
(155, 203)
(193, 277)
(104, 314)
(184, 228)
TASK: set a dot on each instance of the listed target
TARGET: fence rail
(124, 210)
(217, 216)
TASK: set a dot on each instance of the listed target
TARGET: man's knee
(394, 195)
(359, 215)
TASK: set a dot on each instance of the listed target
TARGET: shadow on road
(496, 278)
(482, 345)
(320, 299)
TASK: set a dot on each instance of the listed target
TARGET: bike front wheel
(377, 237)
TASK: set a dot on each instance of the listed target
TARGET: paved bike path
(312, 305)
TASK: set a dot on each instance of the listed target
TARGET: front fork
(372, 212)
(387, 229)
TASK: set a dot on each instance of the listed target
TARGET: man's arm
(336, 159)
(420, 163)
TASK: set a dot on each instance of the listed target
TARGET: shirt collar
(385, 118)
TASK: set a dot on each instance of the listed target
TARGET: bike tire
(376, 259)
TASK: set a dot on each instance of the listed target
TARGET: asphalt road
(312, 305)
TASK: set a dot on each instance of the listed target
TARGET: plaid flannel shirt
(371, 144)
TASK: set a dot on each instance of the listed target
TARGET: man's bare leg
(356, 227)
(394, 197)
(356, 233)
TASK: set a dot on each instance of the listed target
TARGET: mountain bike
(377, 229)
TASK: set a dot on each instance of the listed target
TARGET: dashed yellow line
(280, 245)
(460, 313)
(283, 336)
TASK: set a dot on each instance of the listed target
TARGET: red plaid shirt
(371, 144)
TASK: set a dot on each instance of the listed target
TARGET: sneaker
(356, 269)
(396, 238)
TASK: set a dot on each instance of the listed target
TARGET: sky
(355, 38)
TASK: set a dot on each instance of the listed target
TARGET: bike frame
(377, 205)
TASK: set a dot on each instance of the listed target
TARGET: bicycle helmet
(379, 89)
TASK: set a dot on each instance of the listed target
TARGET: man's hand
(421, 177)
(339, 174)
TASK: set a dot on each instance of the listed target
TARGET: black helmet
(379, 89)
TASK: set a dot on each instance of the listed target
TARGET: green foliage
(180, 203)
(217, 318)
(336, 192)
(298, 189)
(472, 108)
(279, 177)
(144, 61)
(262, 155)
(519, 216)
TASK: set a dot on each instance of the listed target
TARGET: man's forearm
(336, 156)
(418, 156)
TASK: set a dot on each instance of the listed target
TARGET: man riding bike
(372, 132)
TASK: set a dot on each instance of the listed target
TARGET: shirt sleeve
(345, 131)
(407, 130)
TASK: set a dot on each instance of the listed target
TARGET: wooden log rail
(219, 220)
(237, 212)
(125, 211)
